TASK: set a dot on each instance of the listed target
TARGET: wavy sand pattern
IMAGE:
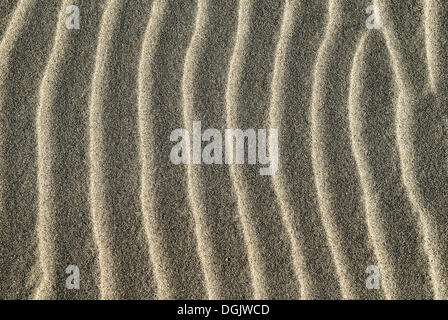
(85, 171)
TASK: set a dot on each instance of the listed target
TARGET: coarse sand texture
(347, 101)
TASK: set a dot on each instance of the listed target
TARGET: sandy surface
(85, 171)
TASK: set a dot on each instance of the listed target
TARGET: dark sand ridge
(7, 9)
(392, 224)
(301, 34)
(338, 186)
(436, 32)
(251, 69)
(436, 35)
(169, 223)
(24, 47)
(420, 126)
(63, 225)
(123, 253)
(219, 232)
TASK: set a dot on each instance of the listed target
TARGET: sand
(86, 178)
